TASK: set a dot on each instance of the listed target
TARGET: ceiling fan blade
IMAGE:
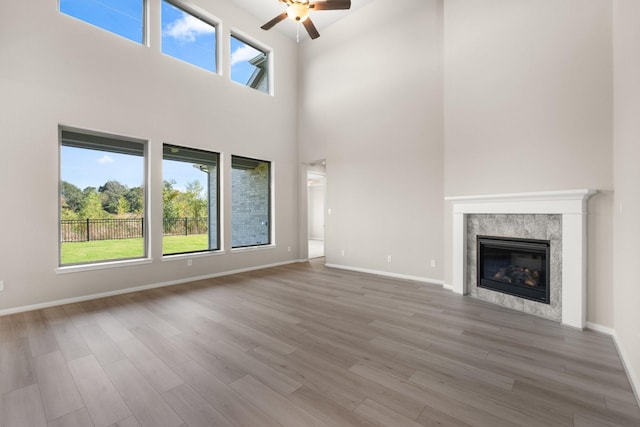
(330, 5)
(311, 29)
(274, 21)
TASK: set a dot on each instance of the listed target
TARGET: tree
(195, 202)
(169, 200)
(111, 192)
(72, 196)
(123, 206)
(66, 213)
(92, 205)
(135, 197)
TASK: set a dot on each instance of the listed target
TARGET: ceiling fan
(298, 11)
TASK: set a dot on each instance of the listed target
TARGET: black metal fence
(86, 230)
(185, 226)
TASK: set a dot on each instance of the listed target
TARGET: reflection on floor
(316, 248)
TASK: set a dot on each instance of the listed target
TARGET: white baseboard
(634, 379)
(48, 304)
(599, 328)
(447, 286)
(631, 373)
(387, 274)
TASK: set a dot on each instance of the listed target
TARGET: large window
(250, 202)
(189, 200)
(188, 37)
(102, 197)
(122, 17)
(249, 65)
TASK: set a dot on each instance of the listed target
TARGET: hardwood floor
(303, 345)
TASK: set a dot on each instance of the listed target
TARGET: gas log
(518, 276)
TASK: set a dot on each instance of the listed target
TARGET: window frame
(145, 24)
(218, 202)
(268, 51)
(270, 213)
(205, 17)
(106, 263)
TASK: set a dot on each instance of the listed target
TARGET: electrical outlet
(434, 264)
(1, 285)
(288, 248)
(389, 259)
(189, 262)
(329, 211)
(342, 252)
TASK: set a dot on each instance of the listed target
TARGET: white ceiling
(265, 10)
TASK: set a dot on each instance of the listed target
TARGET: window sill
(253, 248)
(102, 265)
(179, 257)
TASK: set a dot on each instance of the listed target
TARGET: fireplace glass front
(514, 266)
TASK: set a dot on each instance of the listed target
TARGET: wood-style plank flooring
(304, 345)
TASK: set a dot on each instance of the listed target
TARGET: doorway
(316, 201)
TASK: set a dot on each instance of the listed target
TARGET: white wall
(57, 70)
(627, 177)
(371, 105)
(528, 107)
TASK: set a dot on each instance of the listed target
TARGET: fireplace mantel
(571, 204)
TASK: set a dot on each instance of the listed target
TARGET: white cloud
(188, 28)
(105, 159)
(243, 53)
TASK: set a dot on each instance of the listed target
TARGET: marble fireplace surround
(571, 204)
(546, 227)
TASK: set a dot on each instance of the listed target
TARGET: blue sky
(188, 38)
(183, 173)
(123, 17)
(91, 168)
(241, 53)
(184, 36)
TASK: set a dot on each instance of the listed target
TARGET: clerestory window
(249, 64)
(188, 36)
(125, 18)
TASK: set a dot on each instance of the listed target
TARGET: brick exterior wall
(250, 206)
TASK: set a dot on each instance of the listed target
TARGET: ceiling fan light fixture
(298, 12)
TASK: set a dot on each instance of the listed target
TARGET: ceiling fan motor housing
(298, 11)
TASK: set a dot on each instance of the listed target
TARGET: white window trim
(189, 255)
(254, 248)
(76, 268)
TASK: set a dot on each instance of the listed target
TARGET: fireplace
(557, 216)
(514, 266)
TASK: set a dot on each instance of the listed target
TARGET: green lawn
(181, 244)
(105, 250)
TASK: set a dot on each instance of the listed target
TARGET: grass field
(107, 250)
(181, 244)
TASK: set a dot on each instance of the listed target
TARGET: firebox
(514, 266)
